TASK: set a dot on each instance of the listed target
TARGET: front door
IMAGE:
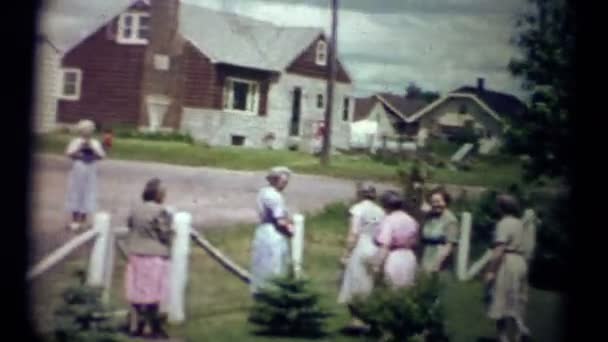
(296, 109)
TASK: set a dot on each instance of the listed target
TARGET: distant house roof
(223, 37)
(252, 43)
(498, 105)
(502, 103)
(401, 106)
(363, 107)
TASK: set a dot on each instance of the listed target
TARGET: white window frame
(76, 95)
(253, 102)
(133, 39)
(321, 53)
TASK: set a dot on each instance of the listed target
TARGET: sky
(386, 44)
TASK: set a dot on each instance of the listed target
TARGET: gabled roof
(498, 105)
(60, 24)
(439, 101)
(242, 41)
(223, 37)
(403, 106)
(363, 107)
(502, 103)
(400, 106)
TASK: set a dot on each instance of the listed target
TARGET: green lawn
(217, 302)
(487, 171)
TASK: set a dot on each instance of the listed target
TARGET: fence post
(464, 246)
(179, 267)
(97, 261)
(110, 259)
(297, 244)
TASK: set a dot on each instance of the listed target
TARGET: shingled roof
(242, 41)
(502, 103)
(400, 105)
(223, 37)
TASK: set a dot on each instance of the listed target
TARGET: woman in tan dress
(440, 233)
(507, 272)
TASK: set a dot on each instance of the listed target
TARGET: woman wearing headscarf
(84, 151)
(507, 271)
(148, 244)
(440, 233)
(270, 247)
(396, 236)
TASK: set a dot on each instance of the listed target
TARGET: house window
(134, 28)
(320, 101)
(241, 95)
(70, 84)
(321, 55)
(238, 140)
(345, 109)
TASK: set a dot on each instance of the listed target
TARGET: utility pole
(331, 79)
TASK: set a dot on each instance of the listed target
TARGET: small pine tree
(82, 317)
(289, 307)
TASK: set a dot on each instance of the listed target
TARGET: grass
(218, 304)
(487, 171)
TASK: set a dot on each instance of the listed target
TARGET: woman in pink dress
(147, 274)
(396, 236)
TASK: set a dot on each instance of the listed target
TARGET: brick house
(225, 79)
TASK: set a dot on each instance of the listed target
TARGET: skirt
(400, 268)
(82, 188)
(147, 279)
(509, 292)
(269, 256)
(358, 280)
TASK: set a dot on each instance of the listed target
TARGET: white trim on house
(433, 105)
(252, 100)
(133, 37)
(321, 53)
(75, 96)
(389, 105)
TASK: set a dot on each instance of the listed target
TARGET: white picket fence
(102, 258)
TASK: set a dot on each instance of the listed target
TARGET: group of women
(383, 242)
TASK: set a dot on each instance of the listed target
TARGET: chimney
(480, 84)
(160, 73)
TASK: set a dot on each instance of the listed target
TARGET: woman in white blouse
(270, 249)
(84, 151)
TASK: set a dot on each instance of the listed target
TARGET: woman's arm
(285, 225)
(97, 148)
(452, 235)
(444, 252)
(497, 254)
(73, 147)
(163, 228)
(352, 238)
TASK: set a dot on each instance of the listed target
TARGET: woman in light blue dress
(84, 151)
(270, 248)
